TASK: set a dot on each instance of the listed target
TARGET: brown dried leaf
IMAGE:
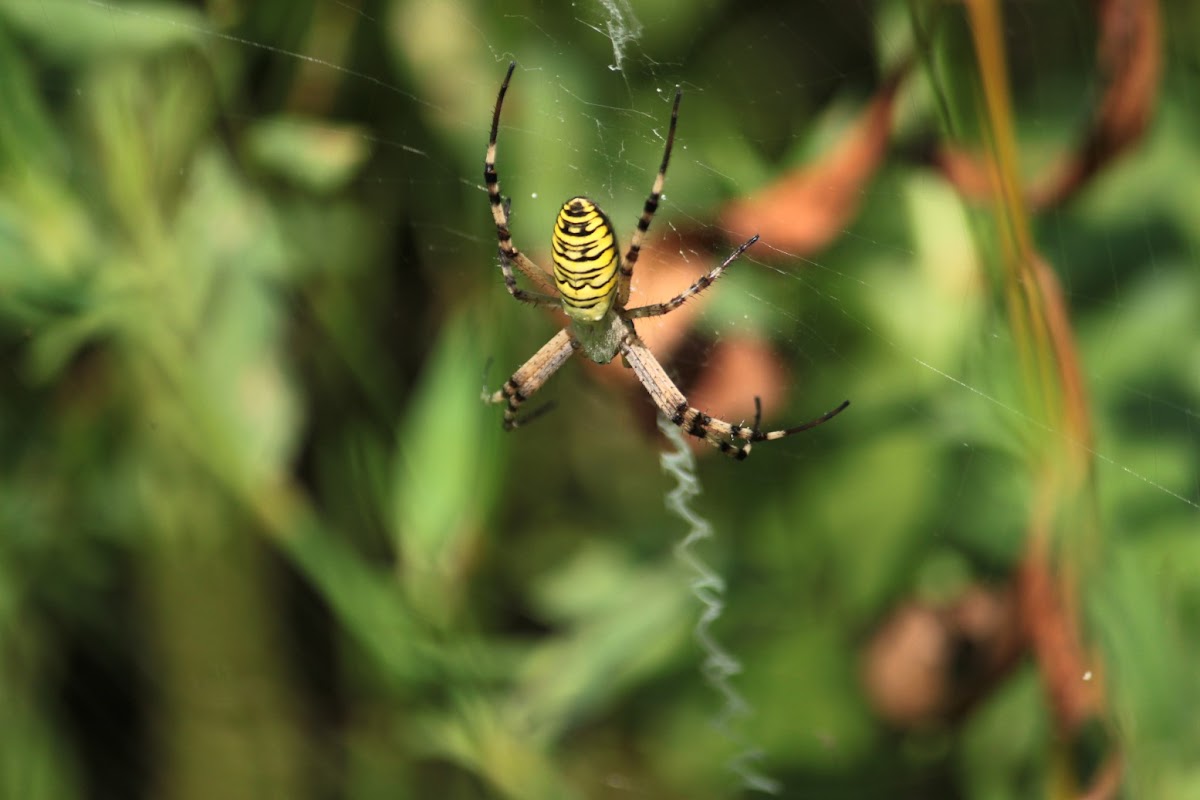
(805, 210)
(715, 379)
(914, 669)
(1129, 60)
(667, 266)
(1072, 676)
(737, 370)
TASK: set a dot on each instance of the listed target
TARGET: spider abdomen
(584, 250)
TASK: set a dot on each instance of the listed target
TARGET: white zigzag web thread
(719, 665)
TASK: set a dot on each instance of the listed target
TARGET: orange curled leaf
(805, 210)
(1129, 61)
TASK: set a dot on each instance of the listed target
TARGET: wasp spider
(590, 283)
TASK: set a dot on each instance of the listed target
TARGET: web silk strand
(708, 587)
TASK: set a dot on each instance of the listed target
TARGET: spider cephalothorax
(590, 283)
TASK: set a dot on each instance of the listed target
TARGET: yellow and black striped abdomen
(584, 249)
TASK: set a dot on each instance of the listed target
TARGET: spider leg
(761, 436)
(635, 242)
(732, 440)
(658, 309)
(530, 377)
(510, 283)
(674, 405)
(509, 254)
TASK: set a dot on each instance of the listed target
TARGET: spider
(590, 284)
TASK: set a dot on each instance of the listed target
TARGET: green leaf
(75, 31)
(28, 136)
(445, 477)
(316, 155)
(624, 621)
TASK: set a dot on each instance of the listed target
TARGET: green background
(259, 537)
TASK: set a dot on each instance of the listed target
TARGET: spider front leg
(509, 254)
(530, 377)
(658, 309)
(651, 206)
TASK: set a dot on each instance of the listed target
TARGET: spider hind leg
(735, 440)
(732, 440)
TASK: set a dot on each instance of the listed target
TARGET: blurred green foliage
(259, 538)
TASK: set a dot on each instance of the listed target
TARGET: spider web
(890, 304)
